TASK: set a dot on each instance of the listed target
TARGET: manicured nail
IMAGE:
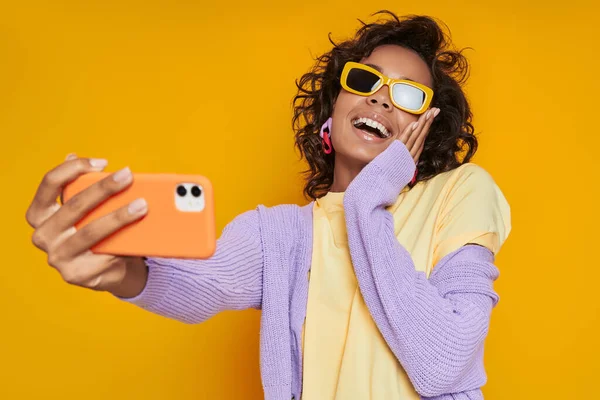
(138, 206)
(414, 125)
(71, 156)
(98, 163)
(122, 176)
(437, 111)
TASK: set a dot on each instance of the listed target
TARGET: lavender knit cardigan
(436, 327)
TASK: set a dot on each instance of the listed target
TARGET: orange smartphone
(180, 222)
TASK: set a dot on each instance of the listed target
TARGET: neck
(343, 173)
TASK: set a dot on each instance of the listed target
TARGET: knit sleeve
(193, 291)
(435, 327)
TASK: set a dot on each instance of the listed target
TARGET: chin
(360, 154)
(357, 147)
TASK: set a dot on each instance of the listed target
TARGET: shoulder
(473, 209)
(285, 210)
(469, 182)
(468, 174)
(471, 174)
(283, 214)
(464, 205)
(290, 216)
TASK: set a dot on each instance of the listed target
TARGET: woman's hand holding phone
(68, 249)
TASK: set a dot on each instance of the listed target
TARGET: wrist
(382, 180)
(396, 165)
(134, 278)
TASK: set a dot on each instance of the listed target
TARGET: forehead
(399, 62)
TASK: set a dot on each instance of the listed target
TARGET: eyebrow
(378, 68)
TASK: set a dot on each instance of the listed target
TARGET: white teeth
(373, 124)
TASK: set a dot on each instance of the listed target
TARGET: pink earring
(326, 136)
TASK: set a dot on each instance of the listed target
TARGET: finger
(44, 202)
(418, 155)
(412, 128)
(57, 178)
(98, 230)
(85, 201)
(70, 156)
(416, 132)
(407, 131)
(422, 135)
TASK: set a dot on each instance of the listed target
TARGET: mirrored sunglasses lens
(408, 96)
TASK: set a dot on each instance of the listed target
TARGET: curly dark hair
(451, 134)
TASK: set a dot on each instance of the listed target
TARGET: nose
(382, 98)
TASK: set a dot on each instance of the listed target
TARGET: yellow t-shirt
(345, 355)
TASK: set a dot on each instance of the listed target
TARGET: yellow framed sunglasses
(406, 95)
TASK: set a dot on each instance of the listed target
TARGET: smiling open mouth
(371, 127)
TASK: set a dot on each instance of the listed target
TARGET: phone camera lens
(196, 192)
(181, 190)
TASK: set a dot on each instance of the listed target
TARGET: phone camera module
(189, 197)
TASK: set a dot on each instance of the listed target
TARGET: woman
(383, 286)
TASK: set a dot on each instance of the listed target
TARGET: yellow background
(203, 87)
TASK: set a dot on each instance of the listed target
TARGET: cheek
(404, 119)
(344, 104)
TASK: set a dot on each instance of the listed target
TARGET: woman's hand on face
(414, 134)
(68, 249)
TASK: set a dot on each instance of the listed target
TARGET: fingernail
(429, 114)
(71, 156)
(137, 206)
(414, 125)
(437, 111)
(123, 175)
(98, 163)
